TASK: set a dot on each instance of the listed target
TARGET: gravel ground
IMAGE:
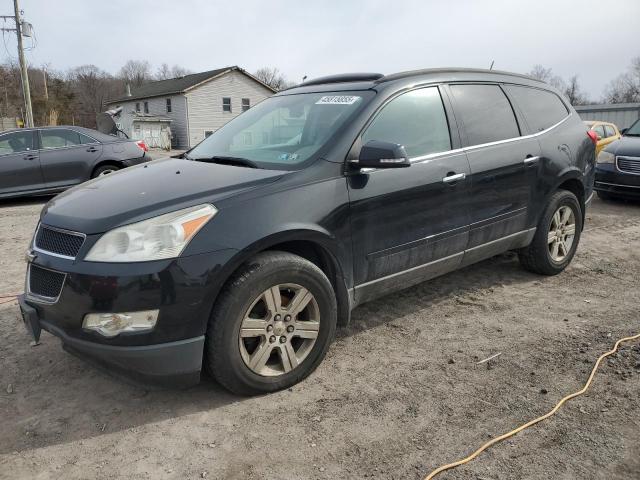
(399, 393)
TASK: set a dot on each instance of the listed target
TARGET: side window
(146, 107)
(609, 131)
(138, 107)
(246, 104)
(16, 142)
(540, 108)
(485, 112)
(226, 104)
(86, 139)
(59, 138)
(599, 130)
(416, 120)
(168, 105)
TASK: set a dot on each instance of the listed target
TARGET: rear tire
(249, 318)
(557, 236)
(104, 170)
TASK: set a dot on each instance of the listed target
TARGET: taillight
(142, 145)
(593, 136)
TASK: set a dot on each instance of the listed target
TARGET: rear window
(541, 109)
(485, 112)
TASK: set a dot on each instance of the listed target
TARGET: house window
(138, 107)
(168, 105)
(208, 133)
(146, 107)
(226, 104)
(246, 104)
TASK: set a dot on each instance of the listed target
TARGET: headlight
(165, 236)
(605, 157)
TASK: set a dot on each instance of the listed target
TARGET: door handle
(530, 160)
(30, 157)
(92, 149)
(454, 177)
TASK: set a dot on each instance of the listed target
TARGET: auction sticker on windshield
(338, 100)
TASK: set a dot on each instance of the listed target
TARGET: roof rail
(411, 73)
(343, 77)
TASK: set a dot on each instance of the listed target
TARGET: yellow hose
(532, 422)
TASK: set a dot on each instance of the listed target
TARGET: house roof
(607, 106)
(178, 85)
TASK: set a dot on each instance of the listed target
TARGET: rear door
(503, 166)
(67, 157)
(19, 163)
(409, 224)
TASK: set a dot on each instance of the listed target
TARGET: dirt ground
(399, 393)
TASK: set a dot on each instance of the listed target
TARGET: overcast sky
(593, 39)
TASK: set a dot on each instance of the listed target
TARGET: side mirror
(598, 137)
(623, 131)
(377, 154)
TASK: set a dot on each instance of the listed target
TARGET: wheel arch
(572, 181)
(102, 163)
(316, 246)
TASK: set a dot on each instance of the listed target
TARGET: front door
(409, 224)
(19, 163)
(503, 168)
(67, 157)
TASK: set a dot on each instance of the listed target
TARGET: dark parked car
(51, 159)
(243, 255)
(618, 167)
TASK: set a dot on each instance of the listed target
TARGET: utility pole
(26, 91)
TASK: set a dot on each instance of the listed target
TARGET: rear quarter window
(486, 113)
(541, 108)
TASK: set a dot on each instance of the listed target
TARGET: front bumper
(182, 289)
(610, 180)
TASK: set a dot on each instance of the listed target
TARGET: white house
(193, 106)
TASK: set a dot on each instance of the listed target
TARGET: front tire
(271, 325)
(557, 236)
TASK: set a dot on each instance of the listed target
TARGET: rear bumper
(136, 161)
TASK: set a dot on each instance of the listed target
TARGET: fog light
(112, 324)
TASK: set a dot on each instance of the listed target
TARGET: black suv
(618, 167)
(245, 253)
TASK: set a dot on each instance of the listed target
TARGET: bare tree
(136, 72)
(570, 89)
(91, 88)
(574, 92)
(272, 77)
(165, 72)
(625, 88)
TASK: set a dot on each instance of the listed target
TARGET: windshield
(284, 131)
(634, 130)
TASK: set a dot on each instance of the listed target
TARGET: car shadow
(62, 399)
(25, 201)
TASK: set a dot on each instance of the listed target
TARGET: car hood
(629, 146)
(147, 190)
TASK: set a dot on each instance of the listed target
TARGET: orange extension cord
(539, 419)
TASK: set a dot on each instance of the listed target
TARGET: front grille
(629, 164)
(58, 242)
(45, 283)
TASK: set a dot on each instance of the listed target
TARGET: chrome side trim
(588, 200)
(39, 298)
(430, 156)
(444, 259)
(530, 160)
(47, 252)
(424, 265)
(501, 239)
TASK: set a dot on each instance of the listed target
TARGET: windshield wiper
(235, 161)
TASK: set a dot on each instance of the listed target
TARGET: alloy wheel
(279, 329)
(561, 233)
